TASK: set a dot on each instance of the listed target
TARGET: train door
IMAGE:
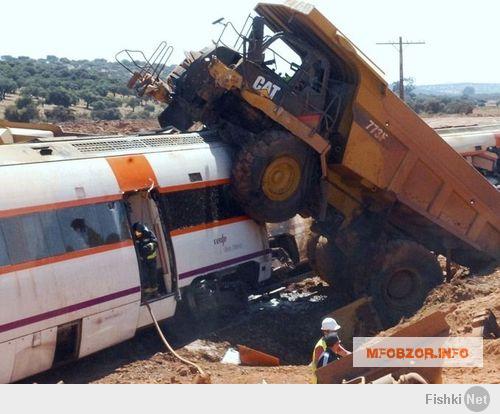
(141, 208)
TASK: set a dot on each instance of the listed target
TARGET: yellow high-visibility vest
(321, 343)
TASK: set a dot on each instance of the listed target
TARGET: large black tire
(255, 167)
(409, 272)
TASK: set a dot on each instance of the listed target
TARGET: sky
(461, 36)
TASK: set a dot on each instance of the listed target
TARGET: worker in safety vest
(328, 326)
(332, 352)
(147, 247)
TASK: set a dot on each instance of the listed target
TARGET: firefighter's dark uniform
(147, 246)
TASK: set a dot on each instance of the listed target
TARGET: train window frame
(119, 223)
(24, 238)
(4, 254)
(44, 237)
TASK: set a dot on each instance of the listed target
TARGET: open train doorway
(157, 279)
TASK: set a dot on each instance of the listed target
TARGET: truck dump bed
(393, 156)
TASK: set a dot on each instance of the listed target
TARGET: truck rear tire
(272, 176)
(409, 272)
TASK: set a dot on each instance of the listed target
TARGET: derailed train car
(67, 290)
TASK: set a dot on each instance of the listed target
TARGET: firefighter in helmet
(147, 247)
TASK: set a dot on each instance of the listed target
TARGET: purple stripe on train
(206, 269)
(68, 309)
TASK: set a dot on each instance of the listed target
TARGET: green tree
(106, 103)
(434, 106)
(133, 102)
(24, 101)
(409, 85)
(60, 114)
(459, 106)
(24, 110)
(6, 86)
(107, 114)
(32, 90)
(468, 91)
(61, 97)
(88, 96)
(123, 89)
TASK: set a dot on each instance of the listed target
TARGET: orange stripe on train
(194, 186)
(129, 182)
(133, 172)
(58, 205)
(65, 256)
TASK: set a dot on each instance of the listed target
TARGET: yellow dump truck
(317, 131)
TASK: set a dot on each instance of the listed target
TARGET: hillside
(79, 89)
(39, 76)
(456, 89)
(62, 90)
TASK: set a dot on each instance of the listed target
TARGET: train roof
(47, 149)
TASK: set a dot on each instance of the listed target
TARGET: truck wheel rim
(402, 287)
(281, 178)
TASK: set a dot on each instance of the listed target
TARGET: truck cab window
(282, 59)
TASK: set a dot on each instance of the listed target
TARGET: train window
(52, 233)
(79, 226)
(186, 208)
(24, 237)
(113, 222)
(4, 257)
(227, 206)
(205, 205)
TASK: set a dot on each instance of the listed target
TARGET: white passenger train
(69, 290)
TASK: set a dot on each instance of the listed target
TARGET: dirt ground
(133, 126)
(110, 127)
(286, 326)
(466, 296)
(480, 117)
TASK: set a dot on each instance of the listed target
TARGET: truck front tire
(272, 176)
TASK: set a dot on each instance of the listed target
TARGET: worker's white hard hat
(329, 324)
